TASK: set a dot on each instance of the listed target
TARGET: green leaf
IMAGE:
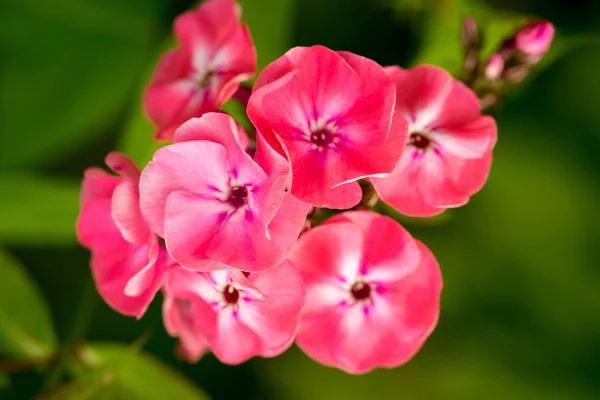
(26, 329)
(68, 69)
(271, 25)
(119, 372)
(37, 210)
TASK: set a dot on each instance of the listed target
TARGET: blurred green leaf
(37, 210)
(119, 372)
(26, 329)
(4, 381)
(91, 54)
(271, 25)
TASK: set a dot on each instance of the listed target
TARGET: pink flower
(449, 150)
(212, 310)
(372, 292)
(216, 53)
(331, 115)
(535, 37)
(494, 67)
(128, 263)
(214, 205)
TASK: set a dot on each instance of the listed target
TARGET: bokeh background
(521, 306)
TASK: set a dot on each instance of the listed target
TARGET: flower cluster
(220, 219)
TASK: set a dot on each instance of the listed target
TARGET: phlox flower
(212, 311)
(215, 54)
(214, 205)
(330, 114)
(449, 151)
(372, 292)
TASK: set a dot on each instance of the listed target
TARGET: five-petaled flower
(216, 53)
(332, 116)
(449, 150)
(372, 292)
(214, 205)
(212, 311)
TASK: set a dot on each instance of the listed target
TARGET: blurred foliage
(521, 305)
(113, 371)
(39, 209)
(26, 329)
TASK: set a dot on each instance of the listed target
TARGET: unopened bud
(494, 67)
(470, 33)
(535, 37)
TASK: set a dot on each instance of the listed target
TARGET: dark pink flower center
(231, 295)
(238, 196)
(360, 290)
(322, 138)
(419, 140)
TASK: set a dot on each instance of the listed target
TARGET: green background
(521, 305)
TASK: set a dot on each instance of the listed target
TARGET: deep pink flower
(214, 205)
(128, 263)
(331, 115)
(535, 37)
(372, 292)
(449, 150)
(216, 53)
(212, 310)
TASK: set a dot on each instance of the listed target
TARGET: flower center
(205, 80)
(323, 138)
(230, 295)
(360, 290)
(419, 140)
(238, 196)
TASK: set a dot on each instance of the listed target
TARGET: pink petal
(200, 167)
(422, 93)
(333, 250)
(400, 189)
(216, 127)
(209, 26)
(126, 200)
(242, 242)
(97, 184)
(191, 223)
(115, 261)
(388, 249)
(471, 140)
(369, 119)
(275, 320)
(233, 342)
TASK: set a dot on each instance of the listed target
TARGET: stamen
(238, 196)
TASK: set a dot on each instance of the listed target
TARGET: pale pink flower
(214, 205)
(128, 263)
(216, 53)
(372, 292)
(213, 310)
(535, 37)
(449, 151)
(331, 115)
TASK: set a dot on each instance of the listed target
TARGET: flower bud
(535, 37)
(494, 67)
(470, 33)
